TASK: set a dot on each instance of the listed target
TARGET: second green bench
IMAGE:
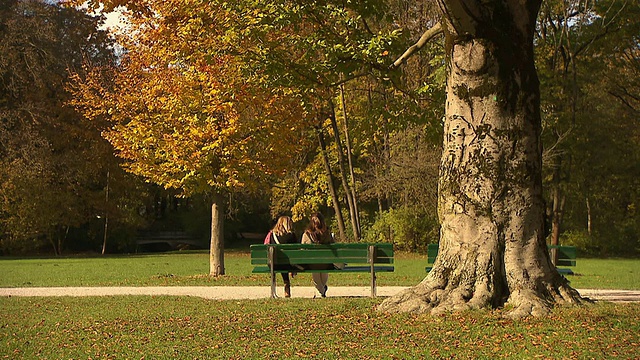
(564, 256)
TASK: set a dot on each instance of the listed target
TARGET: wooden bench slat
(332, 245)
(566, 255)
(336, 246)
(319, 254)
(309, 261)
(266, 269)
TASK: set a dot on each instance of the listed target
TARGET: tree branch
(427, 36)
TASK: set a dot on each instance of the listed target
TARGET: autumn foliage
(183, 113)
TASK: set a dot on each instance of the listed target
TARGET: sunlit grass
(334, 328)
(606, 274)
(191, 269)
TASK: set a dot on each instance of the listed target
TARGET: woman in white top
(318, 233)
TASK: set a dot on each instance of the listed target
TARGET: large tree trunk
(492, 247)
(216, 252)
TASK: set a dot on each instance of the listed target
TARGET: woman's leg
(287, 284)
(320, 282)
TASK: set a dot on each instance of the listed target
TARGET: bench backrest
(566, 255)
(432, 252)
(293, 254)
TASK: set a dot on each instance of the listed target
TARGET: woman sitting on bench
(318, 233)
(283, 233)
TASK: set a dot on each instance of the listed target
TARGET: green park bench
(358, 257)
(566, 256)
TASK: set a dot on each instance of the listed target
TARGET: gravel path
(261, 292)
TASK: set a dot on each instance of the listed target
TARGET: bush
(408, 228)
(581, 240)
(619, 241)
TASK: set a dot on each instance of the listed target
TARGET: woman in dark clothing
(282, 233)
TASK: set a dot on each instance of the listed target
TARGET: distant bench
(565, 256)
(150, 241)
(359, 257)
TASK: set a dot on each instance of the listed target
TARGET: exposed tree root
(530, 303)
(435, 296)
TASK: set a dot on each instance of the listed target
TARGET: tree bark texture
(492, 249)
(216, 252)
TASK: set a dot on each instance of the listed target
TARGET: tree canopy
(54, 163)
(214, 97)
(183, 114)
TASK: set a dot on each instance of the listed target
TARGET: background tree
(54, 163)
(379, 112)
(408, 179)
(315, 49)
(184, 116)
(345, 51)
(581, 48)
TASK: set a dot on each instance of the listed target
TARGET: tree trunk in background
(343, 176)
(556, 220)
(332, 189)
(350, 158)
(216, 252)
(55, 243)
(588, 216)
(106, 216)
(558, 199)
(490, 205)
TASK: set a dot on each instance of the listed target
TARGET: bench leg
(273, 284)
(373, 284)
(273, 273)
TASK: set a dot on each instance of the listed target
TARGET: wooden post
(271, 268)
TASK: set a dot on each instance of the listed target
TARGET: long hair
(317, 228)
(283, 226)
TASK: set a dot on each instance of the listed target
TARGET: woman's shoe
(287, 290)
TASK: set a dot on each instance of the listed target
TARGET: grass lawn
(333, 328)
(190, 268)
(163, 327)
